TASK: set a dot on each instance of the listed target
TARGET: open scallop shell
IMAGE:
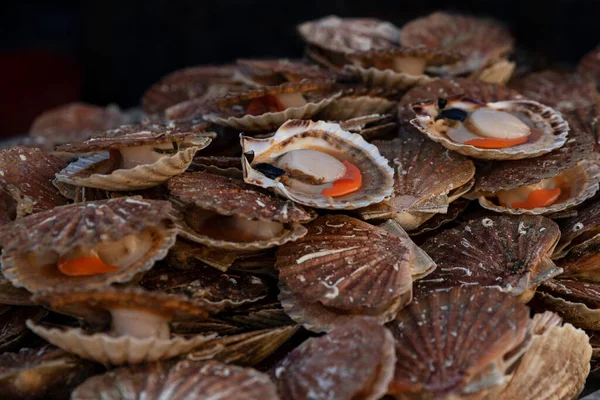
(480, 41)
(589, 64)
(563, 91)
(231, 197)
(552, 128)
(296, 134)
(319, 95)
(184, 380)
(463, 342)
(26, 175)
(103, 172)
(555, 366)
(356, 360)
(428, 178)
(510, 253)
(63, 229)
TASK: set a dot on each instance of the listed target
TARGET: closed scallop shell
(428, 178)
(480, 41)
(354, 360)
(589, 64)
(269, 72)
(63, 229)
(181, 381)
(510, 253)
(552, 129)
(462, 342)
(26, 175)
(296, 134)
(232, 197)
(555, 366)
(318, 95)
(563, 91)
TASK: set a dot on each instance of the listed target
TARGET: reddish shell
(457, 343)
(354, 360)
(277, 71)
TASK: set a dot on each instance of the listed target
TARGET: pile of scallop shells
(403, 213)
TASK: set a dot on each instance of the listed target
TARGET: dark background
(109, 51)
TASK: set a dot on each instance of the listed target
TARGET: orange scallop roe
(349, 183)
(496, 143)
(84, 266)
(265, 104)
(539, 198)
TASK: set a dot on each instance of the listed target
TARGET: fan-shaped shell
(354, 360)
(65, 228)
(428, 178)
(552, 129)
(26, 175)
(267, 72)
(357, 103)
(181, 381)
(511, 253)
(295, 134)
(563, 91)
(479, 40)
(457, 343)
(555, 366)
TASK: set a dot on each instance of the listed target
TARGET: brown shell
(428, 178)
(438, 220)
(479, 40)
(580, 228)
(181, 381)
(366, 59)
(26, 174)
(511, 253)
(261, 316)
(245, 349)
(75, 121)
(42, 373)
(353, 361)
(12, 295)
(348, 107)
(590, 64)
(371, 127)
(347, 264)
(564, 91)
(457, 343)
(189, 83)
(139, 135)
(220, 165)
(13, 330)
(346, 35)
(587, 121)
(62, 229)
(186, 254)
(204, 282)
(277, 71)
(555, 366)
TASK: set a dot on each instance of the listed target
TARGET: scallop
(267, 72)
(367, 179)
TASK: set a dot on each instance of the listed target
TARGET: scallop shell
(510, 253)
(245, 349)
(231, 197)
(181, 381)
(219, 165)
(41, 373)
(75, 121)
(458, 343)
(438, 220)
(13, 330)
(354, 360)
(554, 367)
(590, 64)
(387, 78)
(318, 92)
(552, 126)
(268, 315)
(317, 268)
(186, 254)
(296, 134)
(355, 103)
(277, 71)
(587, 121)
(99, 170)
(428, 178)
(480, 41)
(563, 91)
(62, 229)
(500, 72)
(13, 296)
(26, 175)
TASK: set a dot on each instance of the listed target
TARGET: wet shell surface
(26, 176)
(548, 128)
(510, 253)
(555, 366)
(138, 165)
(377, 175)
(457, 343)
(234, 215)
(480, 41)
(563, 91)
(354, 360)
(181, 381)
(231, 109)
(33, 245)
(428, 177)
